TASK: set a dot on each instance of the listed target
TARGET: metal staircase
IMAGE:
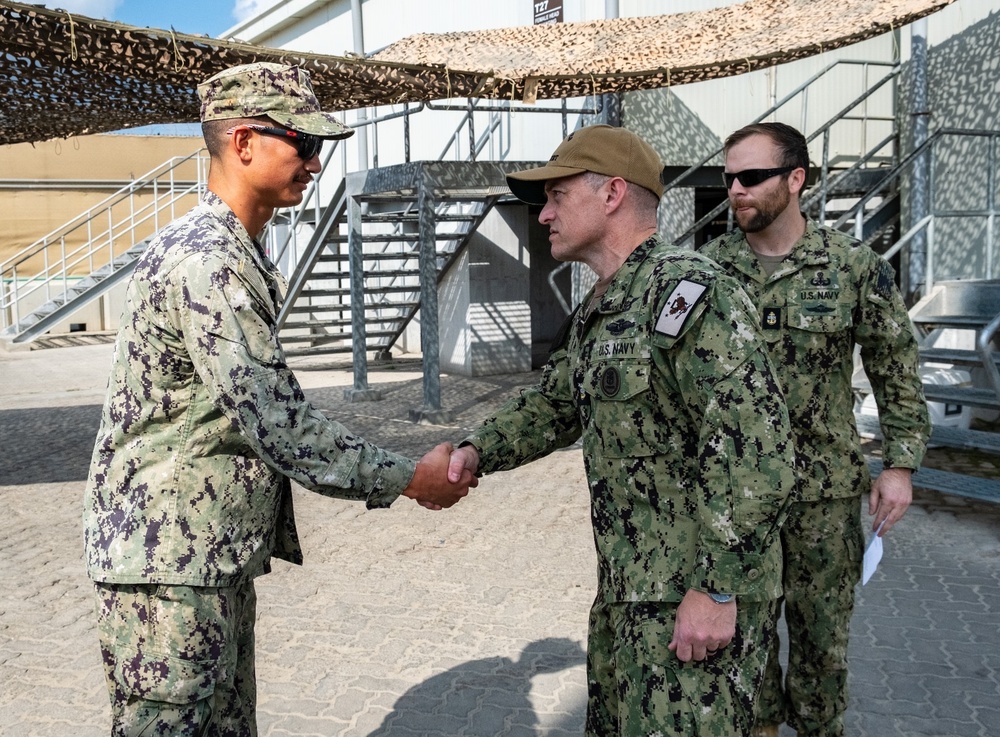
(972, 307)
(835, 181)
(319, 315)
(863, 196)
(83, 259)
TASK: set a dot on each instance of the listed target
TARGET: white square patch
(679, 305)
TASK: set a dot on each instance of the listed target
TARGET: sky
(198, 17)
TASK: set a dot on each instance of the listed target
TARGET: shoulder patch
(885, 280)
(678, 306)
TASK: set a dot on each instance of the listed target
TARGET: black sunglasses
(753, 177)
(306, 144)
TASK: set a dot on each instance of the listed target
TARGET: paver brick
(472, 621)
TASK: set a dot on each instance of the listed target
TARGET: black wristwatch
(722, 598)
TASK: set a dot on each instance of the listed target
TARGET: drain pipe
(916, 273)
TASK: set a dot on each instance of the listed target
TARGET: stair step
(368, 290)
(395, 237)
(369, 274)
(404, 256)
(950, 437)
(971, 487)
(310, 324)
(954, 355)
(396, 217)
(369, 334)
(369, 308)
(967, 397)
(955, 321)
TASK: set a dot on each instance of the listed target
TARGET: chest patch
(611, 381)
(680, 303)
(770, 318)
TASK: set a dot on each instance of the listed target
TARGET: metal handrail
(120, 195)
(101, 247)
(857, 211)
(791, 95)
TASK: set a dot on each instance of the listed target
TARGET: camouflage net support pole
(359, 336)
(430, 344)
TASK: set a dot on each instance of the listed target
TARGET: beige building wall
(46, 190)
(46, 185)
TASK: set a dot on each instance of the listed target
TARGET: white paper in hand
(873, 554)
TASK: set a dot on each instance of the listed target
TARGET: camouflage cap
(282, 93)
(602, 149)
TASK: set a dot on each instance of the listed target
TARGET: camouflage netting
(64, 75)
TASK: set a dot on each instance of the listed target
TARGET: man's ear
(615, 189)
(241, 143)
(796, 180)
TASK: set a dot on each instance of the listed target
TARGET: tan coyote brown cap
(602, 149)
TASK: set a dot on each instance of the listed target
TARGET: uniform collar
(225, 213)
(619, 288)
(810, 250)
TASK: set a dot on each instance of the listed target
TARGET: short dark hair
(214, 132)
(792, 148)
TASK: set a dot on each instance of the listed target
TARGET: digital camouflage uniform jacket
(685, 437)
(828, 295)
(204, 423)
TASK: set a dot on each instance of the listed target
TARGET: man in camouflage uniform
(820, 293)
(204, 425)
(663, 372)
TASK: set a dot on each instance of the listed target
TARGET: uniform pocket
(180, 650)
(622, 411)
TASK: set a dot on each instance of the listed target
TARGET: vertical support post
(430, 344)
(359, 337)
(358, 28)
(916, 273)
(991, 204)
(612, 100)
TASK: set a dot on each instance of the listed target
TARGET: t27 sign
(548, 11)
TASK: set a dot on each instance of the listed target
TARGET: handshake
(444, 476)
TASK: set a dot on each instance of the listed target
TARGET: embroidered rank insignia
(770, 318)
(679, 305)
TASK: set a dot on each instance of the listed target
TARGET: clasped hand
(432, 486)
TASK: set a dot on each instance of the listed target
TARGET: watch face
(722, 598)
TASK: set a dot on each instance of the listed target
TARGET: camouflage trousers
(638, 688)
(822, 544)
(179, 660)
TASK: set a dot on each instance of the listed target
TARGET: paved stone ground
(472, 621)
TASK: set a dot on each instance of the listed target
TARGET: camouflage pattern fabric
(179, 661)
(823, 544)
(132, 76)
(629, 664)
(685, 437)
(204, 423)
(828, 295)
(282, 93)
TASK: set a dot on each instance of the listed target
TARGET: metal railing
(483, 127)
(97, 236)
(939, 210)
(803, 91)
(846, 114)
